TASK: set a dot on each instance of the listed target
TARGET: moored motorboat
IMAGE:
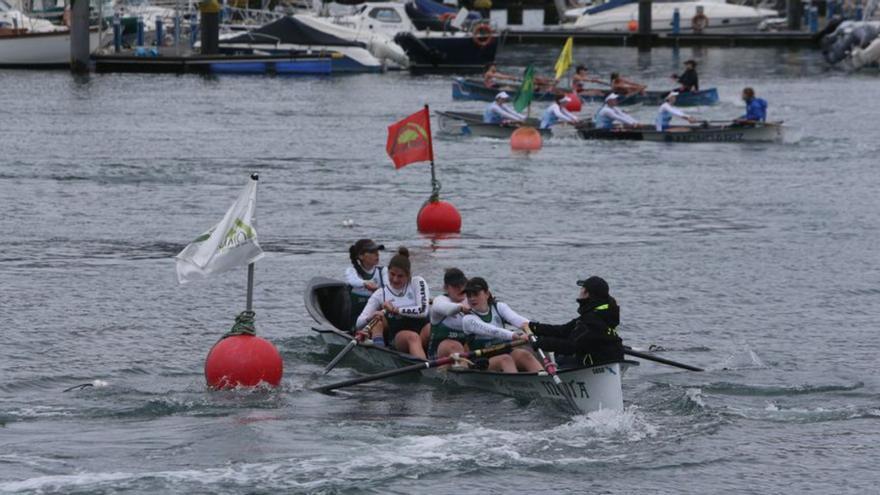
(721, 17)
(40, 50)
(592, 388)
(471, 124)
(729, 133)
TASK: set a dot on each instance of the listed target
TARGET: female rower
(485, 324)
(625, 87)
(667, 111)
(581, 78)
(492, 78)
(364, 275)
(399, 309)
(447, 310)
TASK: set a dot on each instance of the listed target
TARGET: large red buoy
(438, 217)
(243, 361)
(574, 104)
(525, 139)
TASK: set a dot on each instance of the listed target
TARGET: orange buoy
(575, 104)
(243, 361)
(632, 25)
(438, 217)
(525, 139)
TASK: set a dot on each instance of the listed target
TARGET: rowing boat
(471, 124)
(591, 387)
(755, 133)
(472, 89)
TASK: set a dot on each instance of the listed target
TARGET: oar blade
(342, 353)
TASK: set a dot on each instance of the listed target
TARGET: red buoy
(574, 104)
(438, 217)
(243, 361)
(525, 139)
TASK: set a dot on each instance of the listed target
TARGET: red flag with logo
(409, 140)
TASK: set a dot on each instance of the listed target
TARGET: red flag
(410, 139)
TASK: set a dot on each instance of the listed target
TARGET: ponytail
(401, 261)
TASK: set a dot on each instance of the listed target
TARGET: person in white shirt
(610, 114)
(500, 111)
(485, 323)
(364, 275)
(669, 110)
(399, 309)
(557, 113)
(447, 334)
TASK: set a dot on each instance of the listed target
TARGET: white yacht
(26, 42)
(620, 16)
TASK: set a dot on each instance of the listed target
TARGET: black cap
(475, 285)
(367, 246)
(691, 62)
(454, 278)
(596, 286)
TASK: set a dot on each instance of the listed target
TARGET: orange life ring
(483, 35)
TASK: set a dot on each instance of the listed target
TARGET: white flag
(232, 243)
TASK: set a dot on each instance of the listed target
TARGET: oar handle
(657, 359)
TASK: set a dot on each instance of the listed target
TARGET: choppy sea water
(757, 262)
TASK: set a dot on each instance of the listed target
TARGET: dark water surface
(757, 262)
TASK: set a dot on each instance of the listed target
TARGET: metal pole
(645, 21)
(250, 288)
(79, 36)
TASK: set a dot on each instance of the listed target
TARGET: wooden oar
(550, 368)
(359, 337)
(650, 357)
(485, 352)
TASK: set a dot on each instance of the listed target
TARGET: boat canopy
(290, 30)
(434, 9)
(612, 4)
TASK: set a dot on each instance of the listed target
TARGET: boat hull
(593, 388)
(40, 50)
(439, 52)
(770, 132)
(471, 124)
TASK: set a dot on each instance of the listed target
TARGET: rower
(492, 78)
(447, 334)
(756, 108)
(557, 113)
(485, 324)
(580, 78)
(500, 111)
(625, 87)
(364, 275)
(669, 110)
(688, 81)
(611, 113)
(589, 339)
(399, 308)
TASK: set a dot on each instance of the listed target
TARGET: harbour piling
(79, 36)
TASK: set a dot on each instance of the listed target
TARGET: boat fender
(483, 35)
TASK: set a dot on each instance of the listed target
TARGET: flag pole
(249, 304)
(435, 184)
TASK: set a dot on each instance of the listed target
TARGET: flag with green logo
(232, 243)
(526, 90)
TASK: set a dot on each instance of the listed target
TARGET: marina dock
(794, 39)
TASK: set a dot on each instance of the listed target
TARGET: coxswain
(579, 80)
(447, 310)
(669, 110)
(492, 78)
(399, 310)
(500, 111)
(557, 113)
(756, 108)
(611, 113)
(625, 87)
(589, 339)
(364, 275)
(485, 324)
(688, 81)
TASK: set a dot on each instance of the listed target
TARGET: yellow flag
(565, 58)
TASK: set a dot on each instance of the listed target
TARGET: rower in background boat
(756, 108)
(485, 324)
(688, 81)
(447, 310)
(669, 110)
(581, 77)
(500, 111)
(610, 114)
(556, 113)
(625, 87)
(364, 275)
(589, 339)
(493, 79)
(399, 308)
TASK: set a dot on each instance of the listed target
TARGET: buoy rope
(244, 325)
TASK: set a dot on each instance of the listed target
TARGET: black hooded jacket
(592, 336)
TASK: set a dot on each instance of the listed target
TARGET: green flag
(526, 91)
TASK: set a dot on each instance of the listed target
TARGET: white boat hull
(380, 45)
(40, 50)
(723, 17)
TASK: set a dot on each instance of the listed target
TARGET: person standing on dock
(611, 113)
(556, 113)
(669, 110)
(688, 81)
(500, 111)
(756, 108)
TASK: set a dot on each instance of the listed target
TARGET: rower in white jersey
(500, 111)
(485, 325)
(399, 309)
(610, 113)
(557, 113)
(669, 110)
(447, 310)
(364, 275)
